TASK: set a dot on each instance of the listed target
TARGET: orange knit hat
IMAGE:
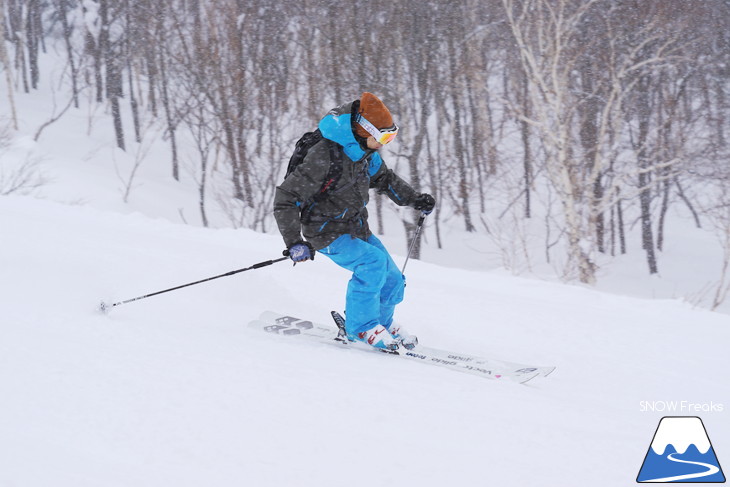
(375, 111)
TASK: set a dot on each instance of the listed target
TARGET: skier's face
(373, 144)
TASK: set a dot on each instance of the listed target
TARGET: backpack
(306, 142)
(334, 173)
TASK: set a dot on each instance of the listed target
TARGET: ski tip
(541, 372)
(528, 378)
(549, 371)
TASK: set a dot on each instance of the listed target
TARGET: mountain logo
(681, 452)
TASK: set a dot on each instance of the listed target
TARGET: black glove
(424, 202)
(300, 251)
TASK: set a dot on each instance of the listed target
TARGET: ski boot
(404, 338)
(377, 337)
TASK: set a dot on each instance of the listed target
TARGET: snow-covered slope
(174, 390)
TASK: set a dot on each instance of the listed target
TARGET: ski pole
(419, 224)
(106, 307)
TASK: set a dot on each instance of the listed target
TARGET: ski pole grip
(268, 262)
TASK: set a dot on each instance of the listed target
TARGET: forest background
(589, 126)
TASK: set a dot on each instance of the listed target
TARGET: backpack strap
(330, 189)
(334, 173)
(305, 142)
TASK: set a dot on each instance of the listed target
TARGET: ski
(302, 329)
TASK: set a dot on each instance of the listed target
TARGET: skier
(331, 214)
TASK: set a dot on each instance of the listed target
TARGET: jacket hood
(337, 127)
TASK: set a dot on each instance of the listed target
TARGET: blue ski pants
(376, 286)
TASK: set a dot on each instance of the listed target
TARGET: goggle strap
(372, 129)
(369, 127)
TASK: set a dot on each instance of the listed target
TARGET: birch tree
(545, 33)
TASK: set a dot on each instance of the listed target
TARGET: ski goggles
(382, 136)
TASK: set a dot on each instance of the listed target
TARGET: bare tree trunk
(92, 46)
(526, 149)
(161, 68)
(238, 75)
(113, 75)
(6, 62)
(171, 126)
(458, 145)
(17, 36)
(32, 39)
(663, 214)
(151, 30)
(647, 235)
(621, 228)
(334, 47)
(133, 105)
(589, 112)
(128, 47)
(69, 50)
